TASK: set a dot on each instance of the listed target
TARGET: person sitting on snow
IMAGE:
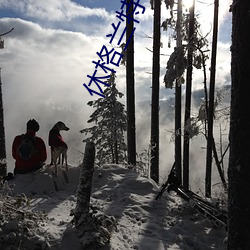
(29, 150)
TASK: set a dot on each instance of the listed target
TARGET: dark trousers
(25, 171)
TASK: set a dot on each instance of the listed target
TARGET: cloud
(47, 59)
(45, 55)
(205, 14)
(42, 73)
(56, 10)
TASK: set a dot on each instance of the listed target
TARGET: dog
(57, 152)
(58, 146)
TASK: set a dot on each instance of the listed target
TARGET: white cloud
(205, 12)
(53, 10)
(43, 69)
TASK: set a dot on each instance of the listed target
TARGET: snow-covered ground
(141, 221)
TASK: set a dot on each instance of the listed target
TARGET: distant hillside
(167, 106)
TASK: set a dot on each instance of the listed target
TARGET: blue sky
(47, 57)
(49, 54)
(109, 5)
(60, 14)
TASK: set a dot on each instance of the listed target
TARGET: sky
(48, 55)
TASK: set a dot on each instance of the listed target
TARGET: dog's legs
(63, 157)
(66, 161)
(51, 156)
(57, 152)
(59, 159)
(55, 158)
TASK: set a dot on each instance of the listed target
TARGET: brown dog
(57, 145)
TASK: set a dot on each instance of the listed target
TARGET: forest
(217, 116)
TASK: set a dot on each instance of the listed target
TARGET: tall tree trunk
(3, 161)
(131, 131)
(116, 152)
(93, 231)
(239, 159)
(154, 168)
(211, 102)
(83, 192)
(178, 100)
(188, 97)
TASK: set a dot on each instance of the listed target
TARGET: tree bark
(239, 159)
(188, 97)
(116, 152)
(93, 230)
(83, 193)
(178, 158)
(130, 82)
(211, 103)
(154, 168)
(3, 161)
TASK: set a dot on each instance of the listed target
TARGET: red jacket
(55, 139)
(37, 159)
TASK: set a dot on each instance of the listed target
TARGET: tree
(239, 159)
(188, 96)
(178, 91)
(154, 168)
(3, 163)
(91, 227)
(3, 160)
(83, 192)
(130, 82)
(110, 124)
(210, 139)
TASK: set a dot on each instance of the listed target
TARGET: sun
(188, 3)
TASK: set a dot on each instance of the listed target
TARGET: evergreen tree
(210, 117)
(110, 120)
(154, 167)
(3, 161)
(187, 116)
(188, 53)
(3, 164)
(130, 87)
(238, 170)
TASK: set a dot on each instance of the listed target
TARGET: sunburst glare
(188, 3)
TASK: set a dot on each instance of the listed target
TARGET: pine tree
(210, 139)
(110, 120)
(191, 26)
(238, 170)
(3, 161)
(130, 87)
(3, 164)
(154, 168)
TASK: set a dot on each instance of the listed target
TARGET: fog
(198, 143)
(46, 60)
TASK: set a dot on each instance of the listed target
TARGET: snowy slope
(141, 221)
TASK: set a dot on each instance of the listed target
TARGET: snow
(142, 222)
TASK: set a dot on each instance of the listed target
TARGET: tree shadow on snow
(131, 200)
(178, 227)
(167, 223)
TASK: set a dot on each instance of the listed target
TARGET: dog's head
(61, 126)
